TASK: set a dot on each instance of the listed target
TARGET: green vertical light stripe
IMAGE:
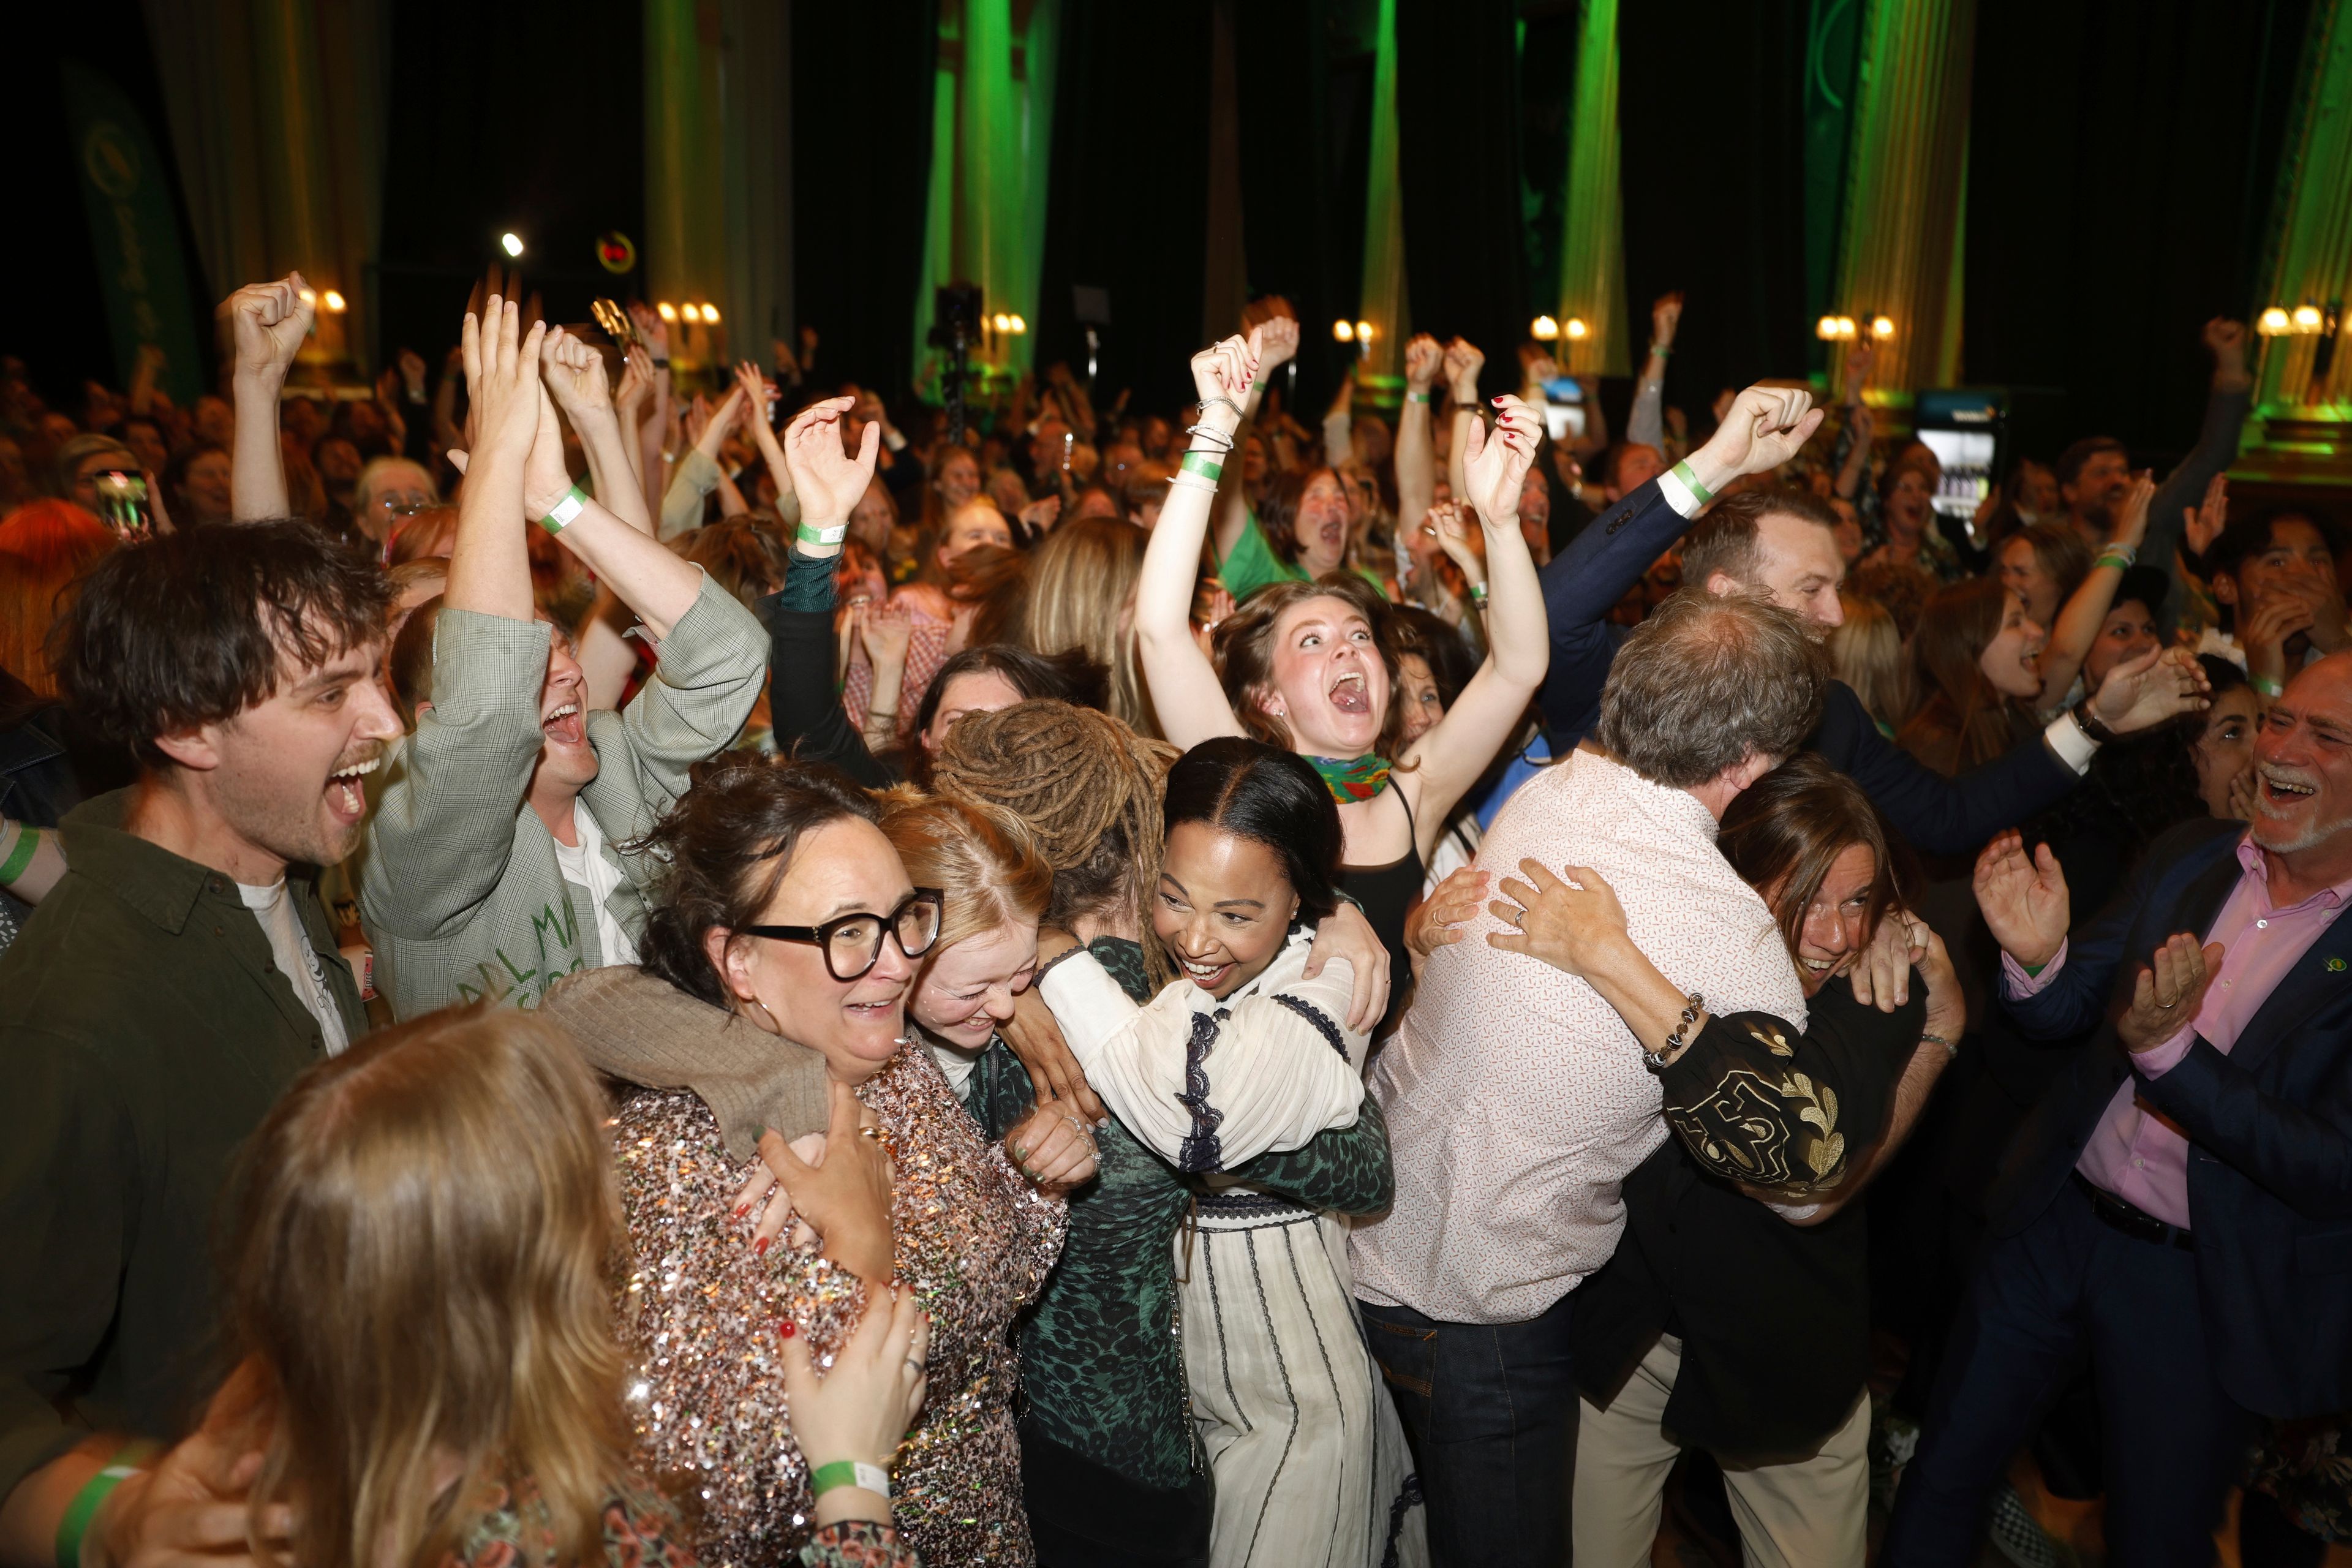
(992, 237)
(2309, 252)
(685, 206)
(1385, 302)
(1592, 238)
(1041, 57)
(939, 220)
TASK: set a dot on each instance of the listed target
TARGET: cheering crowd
(772, 984)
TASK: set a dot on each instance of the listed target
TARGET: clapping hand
(2168, 994)
(1495, 465)
(828, 480)
(268, 323)
(502, 387)
(2023, 899)
(2160, 684)
(884, 631)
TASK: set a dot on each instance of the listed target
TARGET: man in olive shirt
(168, 990)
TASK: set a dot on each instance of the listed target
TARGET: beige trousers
(1806, 1513)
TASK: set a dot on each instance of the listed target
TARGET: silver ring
(2168, 1007)
(916, 1364)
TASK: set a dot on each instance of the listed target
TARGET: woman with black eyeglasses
(785, 911)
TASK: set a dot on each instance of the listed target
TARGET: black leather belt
(2133, 1221)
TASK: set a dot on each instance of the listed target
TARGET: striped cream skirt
(1308, 1456)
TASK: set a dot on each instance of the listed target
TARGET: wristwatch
(2093, 725)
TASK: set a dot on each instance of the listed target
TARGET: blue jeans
(1490, 1412)
(2172, 1439)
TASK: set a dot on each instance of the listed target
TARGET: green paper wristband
(849, 1473)
(1417, 396)
(1478, 593)
(833, 535)
(29, 844)
(2262, 683)
(559, 516)
(1194, 463)
(95, 1491)
(1682, 471)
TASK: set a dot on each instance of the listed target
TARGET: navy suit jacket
(1939, 815)
(2270, 1126)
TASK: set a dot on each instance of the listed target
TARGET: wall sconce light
(1363, 331)
(2308, 320)
(666, 310)
(1576, 329)
(710, 315)
(335, 303)
(1343, 332)
(1544, 330)
(690, 310)
(1881, 326)
(1826, 328)
(2273, 323)
(1016, 325)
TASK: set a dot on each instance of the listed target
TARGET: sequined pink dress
(700, 1318)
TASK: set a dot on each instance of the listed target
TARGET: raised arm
(268, 322)
(1462, 362)
(1647, 422)
(2086, 609)
(574, 373)
(772, 451)
(2216, 448)
(1449, 758)
(1416, 443)
(490, 566)
(1183, 684)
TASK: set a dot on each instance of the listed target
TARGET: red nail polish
(742, 1209)
(760, 1247)
(785, 1327)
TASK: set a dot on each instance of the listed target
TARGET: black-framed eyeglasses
(852, 944)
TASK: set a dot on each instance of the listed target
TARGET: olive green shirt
(145, 1032)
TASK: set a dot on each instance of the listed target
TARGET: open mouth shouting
(1348, 693)
(565, 724)
(2282, 790)
(1207, 976)
(346, 797)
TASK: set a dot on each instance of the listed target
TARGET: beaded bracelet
(1661, 1059)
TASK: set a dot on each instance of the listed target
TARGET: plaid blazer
(459, 889)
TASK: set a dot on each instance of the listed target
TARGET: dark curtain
(528, 116)
(1712, 112)
(862, 87)
(1547, 105)
(2121, 159)
(1458, 164)
(1129, 196)
(59, 325)
(1299, 244)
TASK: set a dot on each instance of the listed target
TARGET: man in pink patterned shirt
(2181, 1206)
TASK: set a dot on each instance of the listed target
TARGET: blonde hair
(1867, 653)
(412, 1281)
(1080, 581)
(978, 856)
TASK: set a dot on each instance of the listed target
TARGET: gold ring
(873, 1132)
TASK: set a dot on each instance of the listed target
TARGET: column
(1592, 238)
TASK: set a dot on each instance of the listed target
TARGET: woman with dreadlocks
(1113, 1467)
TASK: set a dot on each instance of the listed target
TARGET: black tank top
(1386, 893)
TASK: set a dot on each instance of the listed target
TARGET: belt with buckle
(2132, 1220)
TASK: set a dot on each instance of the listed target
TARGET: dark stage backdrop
(2121, 160)
(862, 85)
(527, 115)
(1712, 115)
(1130, 194)
(1458, 163)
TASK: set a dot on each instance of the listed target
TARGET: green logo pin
(2334, 966)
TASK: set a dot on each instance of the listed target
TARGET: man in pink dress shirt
(2179, 1208)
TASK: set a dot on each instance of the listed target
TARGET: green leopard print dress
(1102, 1366)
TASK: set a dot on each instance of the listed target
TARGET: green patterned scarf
(1356, 778)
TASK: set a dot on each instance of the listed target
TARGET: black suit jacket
(2270, 1128)
(1939, 815)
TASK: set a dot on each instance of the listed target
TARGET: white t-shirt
(583, 865)
(954, 1065)
(297, 960)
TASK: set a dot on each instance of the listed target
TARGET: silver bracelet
(1228, 402)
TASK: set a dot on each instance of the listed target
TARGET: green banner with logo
(140, 264)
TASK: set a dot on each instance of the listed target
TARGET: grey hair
(1709, 681)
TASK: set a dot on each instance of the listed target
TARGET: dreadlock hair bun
(1087, 788)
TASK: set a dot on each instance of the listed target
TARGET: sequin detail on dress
(706, 1391)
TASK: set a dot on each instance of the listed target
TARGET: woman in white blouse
(1244, 1055)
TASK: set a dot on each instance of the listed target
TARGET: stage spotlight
(511, 243)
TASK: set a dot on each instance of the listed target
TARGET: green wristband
(2262, 683)
(823, 1478)
(559, 516)
(1682, 471)
(1478, 593)
(1417, 396)
(85, 1505)
(833, 534)
(1194, 463)
(29, 844)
